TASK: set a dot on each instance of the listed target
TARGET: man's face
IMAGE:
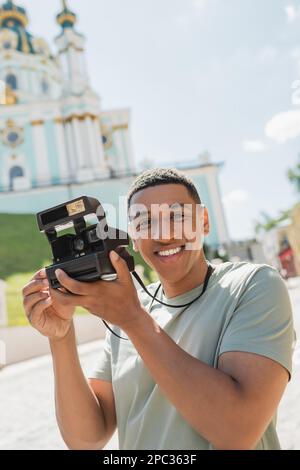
(163, 218)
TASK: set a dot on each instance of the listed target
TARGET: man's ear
(206, 222)
(134, 244)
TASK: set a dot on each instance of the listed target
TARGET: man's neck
(194, 279)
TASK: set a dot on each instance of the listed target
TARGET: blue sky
(200, 75)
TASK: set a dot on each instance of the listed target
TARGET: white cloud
(254, 146)
(235, 198)
(284, 126)
(292, 13)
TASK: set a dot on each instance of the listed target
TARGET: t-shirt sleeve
(102, 368)
(262, 322)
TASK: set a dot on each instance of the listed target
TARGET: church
(56, 142)
(52, 128)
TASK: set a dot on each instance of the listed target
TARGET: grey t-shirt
(246, 307)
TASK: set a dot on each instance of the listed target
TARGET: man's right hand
(51, 320)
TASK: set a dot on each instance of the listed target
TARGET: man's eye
(145, 224)
(178, 217)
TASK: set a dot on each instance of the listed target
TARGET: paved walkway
(27, 419)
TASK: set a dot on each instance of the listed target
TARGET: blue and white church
(52, 128)
(56, 142)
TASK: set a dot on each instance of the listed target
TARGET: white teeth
(169, 252)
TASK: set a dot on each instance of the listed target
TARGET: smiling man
(203, 366)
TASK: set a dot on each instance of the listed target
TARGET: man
(208, 375)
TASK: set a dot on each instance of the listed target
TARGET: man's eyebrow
(139, 213)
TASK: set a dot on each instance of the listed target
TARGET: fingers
(35, 315)
(35, 285)
(32, 299)
(76, 287)
(120, 266)
(41, 274)
(66, 299)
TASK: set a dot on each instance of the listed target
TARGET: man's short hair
(159, 176)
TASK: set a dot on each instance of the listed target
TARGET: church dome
(13, 33)
(66, 19)
(27, 67)
(10, 15)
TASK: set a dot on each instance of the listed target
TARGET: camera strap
(139, 280)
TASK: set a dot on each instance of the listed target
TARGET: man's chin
(172, 275)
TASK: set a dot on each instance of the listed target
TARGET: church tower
(80, 105)
(52, 129)
(71, 49)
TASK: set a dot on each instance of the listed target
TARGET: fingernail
(114, 256)
(58, 272)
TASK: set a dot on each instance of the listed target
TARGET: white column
(120, 157)
(85, 143)
(93, 149)
(75, 62)
(65, 170)
(129, 149)
(78, 143)
(35, 83)
(41, 153)
(27, 80)
(71, 154)
(101, 170)
(211, 178)
(23, 80)
(84, 172)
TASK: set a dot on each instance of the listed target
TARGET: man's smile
(169, 254)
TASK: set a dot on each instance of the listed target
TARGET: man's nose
(162, 230)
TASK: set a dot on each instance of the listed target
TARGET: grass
(23, 251)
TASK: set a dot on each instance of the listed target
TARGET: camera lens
(78, 244)
(92, 236)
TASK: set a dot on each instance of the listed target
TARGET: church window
(12, 137)
(15, 172)
(45, 86)
(11, 80)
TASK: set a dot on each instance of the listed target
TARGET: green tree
(294, 175)
(267, 223)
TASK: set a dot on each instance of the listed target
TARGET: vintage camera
(84, 254)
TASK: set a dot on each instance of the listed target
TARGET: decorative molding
(10, 37)
(73, 117)
(39, 122)
(120, 127)
(71, 45)
(12, 135)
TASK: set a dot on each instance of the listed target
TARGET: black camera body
(83, 255)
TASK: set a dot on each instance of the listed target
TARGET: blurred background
(93, 92)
